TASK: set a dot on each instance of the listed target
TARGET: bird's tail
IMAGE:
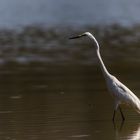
(137, 107)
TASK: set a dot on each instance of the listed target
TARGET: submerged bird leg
(115, 109)
(123, 118)
(113, 118)
(121, 126)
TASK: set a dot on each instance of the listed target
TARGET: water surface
(53, 88)
(41, 101)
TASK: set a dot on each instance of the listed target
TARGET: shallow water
(44, 101)
(53, 88)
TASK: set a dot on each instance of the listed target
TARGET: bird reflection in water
(128, 134)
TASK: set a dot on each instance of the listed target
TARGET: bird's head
(88, 34)
(82, 35)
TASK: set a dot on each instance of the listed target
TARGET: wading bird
(120, 93)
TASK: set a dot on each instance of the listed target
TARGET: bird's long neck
(103, 68)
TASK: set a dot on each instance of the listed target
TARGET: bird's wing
(125, 95)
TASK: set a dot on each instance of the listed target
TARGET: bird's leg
(113, 118)
(123, 118)
(115, 109)
(121, 126)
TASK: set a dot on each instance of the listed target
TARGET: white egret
(120, 93)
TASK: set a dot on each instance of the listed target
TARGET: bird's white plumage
(120, 93)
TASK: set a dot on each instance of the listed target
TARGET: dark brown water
(52, 88)
(59, 102)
